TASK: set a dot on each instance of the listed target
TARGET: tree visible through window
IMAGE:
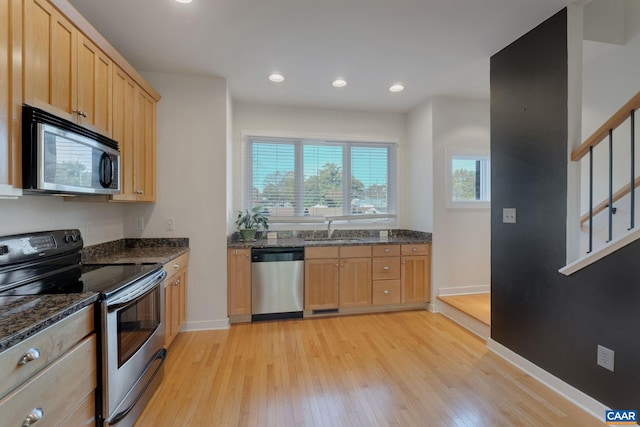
(470, 179)
(320, 178)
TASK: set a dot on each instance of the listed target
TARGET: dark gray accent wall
(552, 320)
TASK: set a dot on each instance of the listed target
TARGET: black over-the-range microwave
(59, 156)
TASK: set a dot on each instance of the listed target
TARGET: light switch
(509, 215)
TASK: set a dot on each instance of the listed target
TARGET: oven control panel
(25, 247)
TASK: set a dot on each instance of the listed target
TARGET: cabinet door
(10, 98)
(50, 59)
(239, 281)
(355, 282)
(321, 284)
(123, 95)
(94, 87)
(169, 332)
(178, 299)
(415, 278)
(144, 153)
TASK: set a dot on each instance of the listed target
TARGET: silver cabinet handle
(337, 265)
(176, 283)
(387, 292)
(34, 416)
(31, 354)
(385, 268)
(176, 265)
(414, 249)
(386, 249)
(84, 114)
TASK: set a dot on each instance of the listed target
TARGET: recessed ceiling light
(184, 1)
(396, 88)
(339, 83)
(276, 77)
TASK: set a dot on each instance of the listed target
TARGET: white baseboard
(464, 290)
(206, 325)
(474, 326)
(584, 401)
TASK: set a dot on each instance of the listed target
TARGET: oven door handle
(128, 298)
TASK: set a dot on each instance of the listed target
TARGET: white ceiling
(434, 47)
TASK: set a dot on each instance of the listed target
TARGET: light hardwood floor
(477, 306)
(393, 369)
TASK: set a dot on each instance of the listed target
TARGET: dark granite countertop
(135, 251)
(24, 316)
(339, 237)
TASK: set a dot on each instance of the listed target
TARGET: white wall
(610, 79)
(40, 213)
(191, 187)
(299, 121)
(417, 158)
(461, 237)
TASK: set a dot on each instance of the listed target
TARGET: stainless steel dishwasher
(277, 283)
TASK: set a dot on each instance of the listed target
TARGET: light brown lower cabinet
(175, 297)
(350, 277)
(59, 385)
(321, 283)
(239, 282)
(416, 273)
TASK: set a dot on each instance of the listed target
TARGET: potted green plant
(248, 222)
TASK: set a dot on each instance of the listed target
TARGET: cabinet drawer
(175, 265)
(421, 249)
(84, 414)
(50, 343)
(386, 268)
(386, 250)
(386, 292)
(355, 251)
(57, 390)
(322, 252)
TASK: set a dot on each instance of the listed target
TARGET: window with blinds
(313, 178)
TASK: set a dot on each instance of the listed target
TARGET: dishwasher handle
(277, 254)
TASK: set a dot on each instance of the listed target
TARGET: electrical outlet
(88, 228)
(271, 235)
(606, 357)
(140, 223)
(171, 224)
(384, 233)
(509, 215)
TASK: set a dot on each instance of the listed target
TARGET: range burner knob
(4, 249)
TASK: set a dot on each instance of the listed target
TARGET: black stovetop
(104, 279)
(49, 262)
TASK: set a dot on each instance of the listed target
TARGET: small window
(469, 180)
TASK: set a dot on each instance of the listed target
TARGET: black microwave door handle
(107, 170)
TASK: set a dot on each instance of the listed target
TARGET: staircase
(609, 224)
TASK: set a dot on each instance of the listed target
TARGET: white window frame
(485, 177)
(311, 221)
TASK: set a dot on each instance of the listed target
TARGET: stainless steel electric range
(131, 323)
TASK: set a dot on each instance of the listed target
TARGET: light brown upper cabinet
(10, 98)
(64, 72)
(134, 124)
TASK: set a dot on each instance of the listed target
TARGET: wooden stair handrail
(614, 121)
(605, 203)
